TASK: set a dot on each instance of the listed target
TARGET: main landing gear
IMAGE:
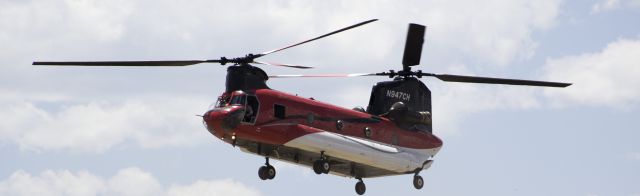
(267, 172)
(321, 166)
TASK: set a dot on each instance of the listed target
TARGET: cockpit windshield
(238, 100)
(222, 101)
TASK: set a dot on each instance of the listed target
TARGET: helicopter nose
(232, 119)
(225, 119)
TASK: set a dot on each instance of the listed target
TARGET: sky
(134, 131)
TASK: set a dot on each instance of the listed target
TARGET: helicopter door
(252, 109)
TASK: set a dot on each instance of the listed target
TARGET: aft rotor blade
(487, 80)
(322, 75)
(413, 45)
(319, 37)
(283, 65)
(124, 63)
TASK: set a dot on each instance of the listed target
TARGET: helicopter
(392, 136)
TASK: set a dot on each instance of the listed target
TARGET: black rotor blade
(316, 38)
(124, 63)
(413, 45)
(487, 80)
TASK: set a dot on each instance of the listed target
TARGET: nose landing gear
(360, 187)
(417, 181)
(267, 172)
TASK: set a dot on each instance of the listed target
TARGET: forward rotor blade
(322, 75)
(124, 63)
(283, 65)
(487, 80)
(319, 37)
(413, 45)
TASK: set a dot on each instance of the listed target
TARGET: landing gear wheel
(262, 173)
(325, 166)
(418, 182)
(360, 187)
(316, 167)
(270, 172)
(267, 172)
(321, 166)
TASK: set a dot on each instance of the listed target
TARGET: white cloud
(133, 182)
(128, 181)
(58, 22)
(52, 183)
(214, 188)
(497, 32)
(605, 5)
(605, 78)
(610, 5)
(99, 125)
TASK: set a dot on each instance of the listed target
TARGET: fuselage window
(279, 111)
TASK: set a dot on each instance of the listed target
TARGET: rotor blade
(322, 75)
(413, 45)
(283, 65)
(319, 37)
(124, 63)
(487, 80)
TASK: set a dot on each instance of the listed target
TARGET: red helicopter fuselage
(366, 145)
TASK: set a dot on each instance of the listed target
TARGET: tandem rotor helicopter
(392, 136)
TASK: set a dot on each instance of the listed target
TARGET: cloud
(605, 5)
(61, 24)
(605, 78)
(220, 187)
(127, 181)
(610, 5)
(496, 32)
(52, 183)
(100, 125)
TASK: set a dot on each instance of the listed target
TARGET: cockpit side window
(251, 109)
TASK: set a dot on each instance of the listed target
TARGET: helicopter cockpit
(223, 100)
(248, 102)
